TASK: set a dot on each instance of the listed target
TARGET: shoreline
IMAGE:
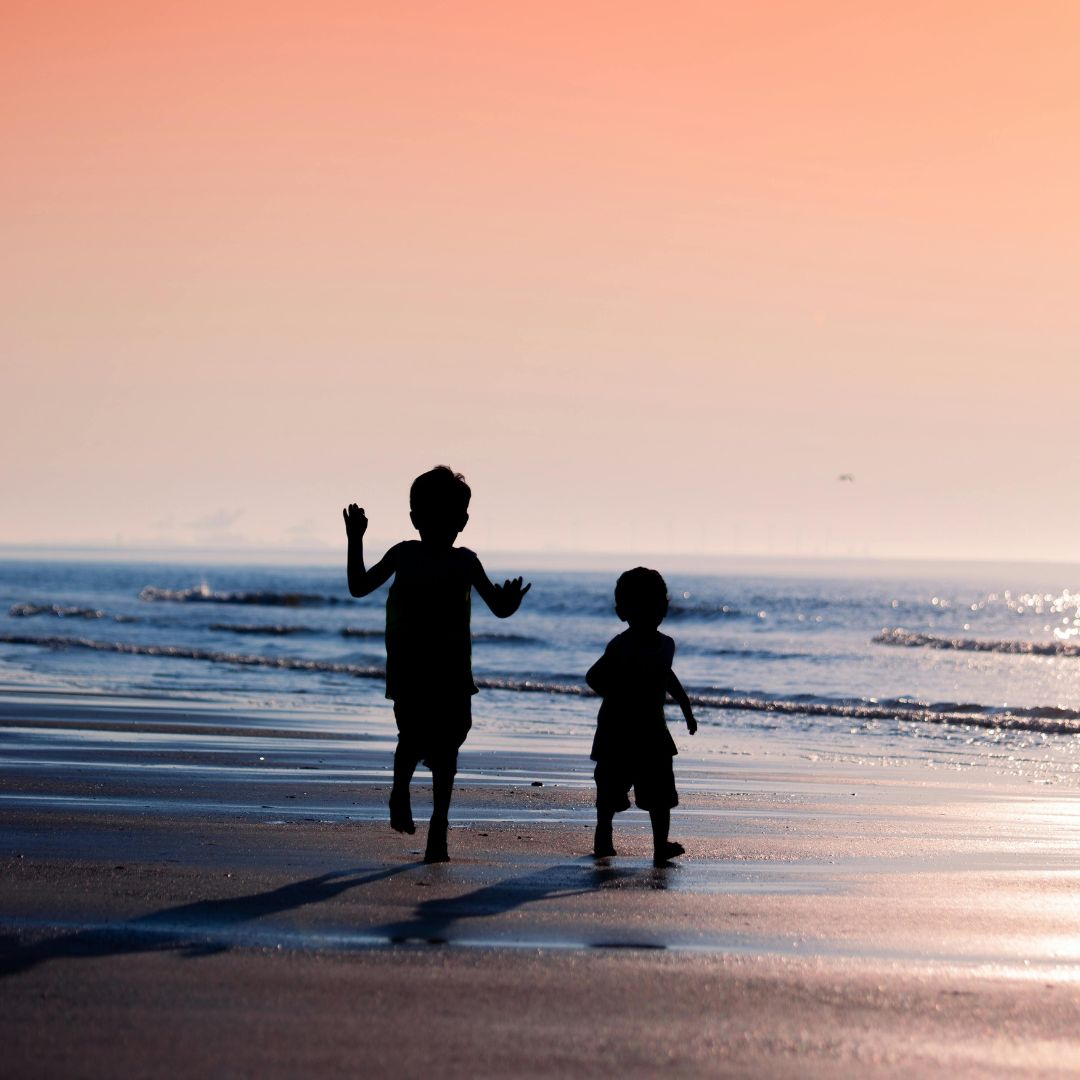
(160, 880)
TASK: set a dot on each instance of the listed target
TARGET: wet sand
(192, 890)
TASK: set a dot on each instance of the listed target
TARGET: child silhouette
(632, 746)
(428, 641)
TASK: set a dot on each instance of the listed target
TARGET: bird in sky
(846, 478)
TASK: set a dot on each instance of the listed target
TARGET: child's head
(439, 503)
(641, 597)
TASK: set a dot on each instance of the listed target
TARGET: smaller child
(632, 747)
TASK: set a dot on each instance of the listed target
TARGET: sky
(652, 276)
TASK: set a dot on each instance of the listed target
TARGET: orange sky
(651, 275)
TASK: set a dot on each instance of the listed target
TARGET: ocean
(948, 666)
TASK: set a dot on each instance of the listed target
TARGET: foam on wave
(1051, 720)
(751, 654)
(203, 594)
(184, 652)
(498, 638)
(686, 609)
(913, 640)
(28, 611)
(62, 611)
(487, 637)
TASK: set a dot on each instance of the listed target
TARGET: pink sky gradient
(652, 279)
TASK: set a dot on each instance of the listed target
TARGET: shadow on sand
(208, 927)
(433, 921)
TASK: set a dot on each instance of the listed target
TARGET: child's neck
(438, 541)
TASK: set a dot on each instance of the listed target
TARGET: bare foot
(436, 848)
(602, 847)
(401, 813)
(666, 852)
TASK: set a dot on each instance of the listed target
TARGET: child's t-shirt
(632, 677)
(428, 639)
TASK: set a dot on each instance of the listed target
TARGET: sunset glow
(651, 277)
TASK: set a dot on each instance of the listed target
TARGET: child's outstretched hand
(355, 520)
(510, 594)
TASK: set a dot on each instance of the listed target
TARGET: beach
(539, 376)
(190, 888)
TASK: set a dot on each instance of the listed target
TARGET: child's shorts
(432, 730)
(653, 782)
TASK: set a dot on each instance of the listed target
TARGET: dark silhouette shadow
(179, 928)
(428, 638)
(173, 928)
(433, 920)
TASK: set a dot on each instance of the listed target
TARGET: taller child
(428, 641)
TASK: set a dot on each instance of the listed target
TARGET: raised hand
(510, 595)
(355, 521)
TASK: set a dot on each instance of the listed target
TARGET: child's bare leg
(661, 823)
(405, 763)
(603, 843)
(442, 787)
(663, 848)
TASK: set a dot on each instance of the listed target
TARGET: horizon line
(565, 558)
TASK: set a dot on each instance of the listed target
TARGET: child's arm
(675, 689)
(597, 676)
(503, 600)
(362, 581)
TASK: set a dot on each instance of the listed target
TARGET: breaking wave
(912, 640)
(1050, 720)
(1047, 719)
(493, 636)
(27, 611)
(60, 611)
(677, 608)
(185, 652)
(487, 637)
(203, 594)
(753, 654)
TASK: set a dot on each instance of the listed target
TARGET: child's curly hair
(440, 494)
(641, 596)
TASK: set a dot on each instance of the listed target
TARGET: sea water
(941, 663)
